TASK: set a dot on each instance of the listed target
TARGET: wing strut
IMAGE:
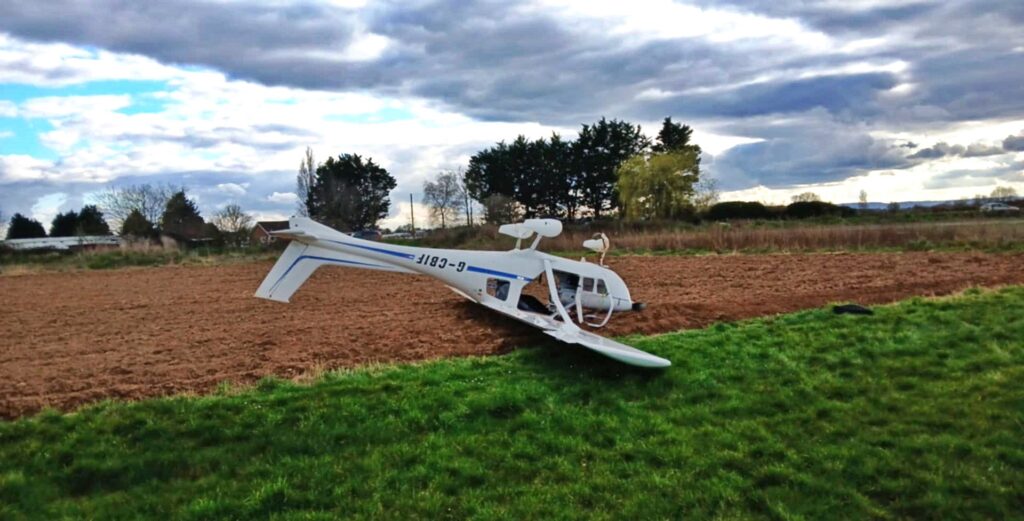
(567, 321)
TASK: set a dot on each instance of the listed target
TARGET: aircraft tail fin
(289, 273)
(300, 259)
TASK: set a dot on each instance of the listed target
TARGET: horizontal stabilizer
(297, 235)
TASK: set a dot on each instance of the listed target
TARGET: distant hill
(910, 204)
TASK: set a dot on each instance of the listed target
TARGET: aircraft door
(594, 294)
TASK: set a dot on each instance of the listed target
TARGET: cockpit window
(498, 288)
(601, 288)
(588, 284)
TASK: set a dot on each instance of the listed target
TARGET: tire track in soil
(67, 339)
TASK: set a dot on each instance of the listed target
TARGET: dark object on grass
(852, 309)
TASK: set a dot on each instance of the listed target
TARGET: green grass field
(916, 412)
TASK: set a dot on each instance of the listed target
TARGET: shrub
(738, 210)
(806, 209)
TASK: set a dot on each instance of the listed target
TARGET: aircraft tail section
(291, 271)
(302, 257)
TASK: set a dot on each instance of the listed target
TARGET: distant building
(85, 242)
(261, 232)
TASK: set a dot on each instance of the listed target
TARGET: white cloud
(366, 47)
(402, 214)
(283, 197)
(56, 64)
(18, 167)
(47, 207)
(8, 109)
(232, 189)
(62, 107)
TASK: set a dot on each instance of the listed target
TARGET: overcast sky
(907, 100)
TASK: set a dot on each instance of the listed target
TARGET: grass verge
(915, 412)
(25, 263)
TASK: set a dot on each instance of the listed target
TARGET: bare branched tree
(705, 192)
(234, 223)
(501, 209)
(806, 197)
(150, 200)
(1004, 193)
(445, 197)
(468, 200)
(305, 181)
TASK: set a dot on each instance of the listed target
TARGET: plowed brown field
(77, 337)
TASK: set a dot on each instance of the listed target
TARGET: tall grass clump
(762, 236)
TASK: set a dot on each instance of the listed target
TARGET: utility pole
(412, 217)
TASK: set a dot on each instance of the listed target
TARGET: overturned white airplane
(589, 291)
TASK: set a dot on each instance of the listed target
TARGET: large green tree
(537, 175)
(350, 193)
(136, 225)
(489, 174)
(658, 187)
(674, 137)
(598, 152)
(557, 187)
(64, 224)
(181, 218)
(91, 221)
(22, 227)
(87, 222)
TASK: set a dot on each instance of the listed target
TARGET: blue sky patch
(24, 139)
(20, 92)
(385, 115)
(24, 132)
(145, 104)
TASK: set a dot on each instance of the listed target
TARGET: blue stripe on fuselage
(316, 257)
(496, 273)
(380, 250)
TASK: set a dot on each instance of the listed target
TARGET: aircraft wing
(608, 347)
(572, 334)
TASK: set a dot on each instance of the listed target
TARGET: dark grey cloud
(943, 149)
(808, 149)
(1010, 172)
(490, 60)
(837, 94)
(1014, 143)
(253, 41)
(981, 150)
(940, 149)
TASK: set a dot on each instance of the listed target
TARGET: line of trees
(142, 212)
(88, 221)
(610, 167)
(146, 211)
